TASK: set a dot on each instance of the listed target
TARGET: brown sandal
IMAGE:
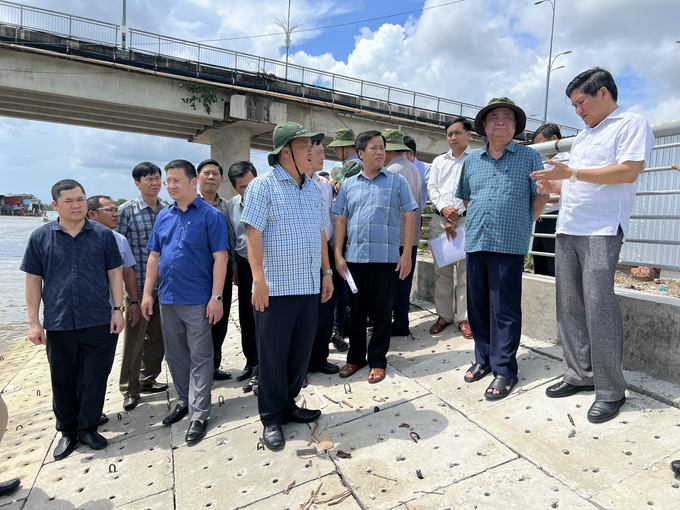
(439, 326)
(350, 369)
(378, 373)
(464, 328)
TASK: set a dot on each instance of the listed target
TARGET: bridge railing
(58, 23)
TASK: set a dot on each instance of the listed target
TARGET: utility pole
(124, 28)
(288, 26)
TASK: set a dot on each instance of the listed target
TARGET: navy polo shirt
(75, 291)
(186, 242)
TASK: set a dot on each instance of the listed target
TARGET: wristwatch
(135, 303)
(328, 271)
(216, 298)
(119, 308)
(574, 176)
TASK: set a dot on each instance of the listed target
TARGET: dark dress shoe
(196, 431)
(9, 487)
(130, 403)
(272, 437)
(400, 332)
(248, 387)
(246, 373)
(325, 368)
(601, 412)
(302, 416)
(154, 388)
(339, 342)
(102, 420)
(94, 440)
(176, 415)
(675, 466)
(564, 389)
(65, 447)
(221, 375)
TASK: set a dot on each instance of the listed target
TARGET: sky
(465, 50)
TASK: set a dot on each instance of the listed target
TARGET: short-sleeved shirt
(291, 220)
(136, 223)
(185, 242)
(588, 209)
(75, 291)
(500, 192)
(374, 210)
(126, 255)
(402, 166)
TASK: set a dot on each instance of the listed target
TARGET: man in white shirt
(595, 206)
(449, 214)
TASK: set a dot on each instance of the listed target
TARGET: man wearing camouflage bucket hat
(287, 249)
(502, 202)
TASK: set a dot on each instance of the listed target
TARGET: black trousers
(80, 363)
(324, 324)
(545, 265)
(402, 297)
(285, 334)
(376, 284)
(219, 329)
(245, 310)
(494, 294)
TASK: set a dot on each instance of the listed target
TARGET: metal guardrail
(155, 44)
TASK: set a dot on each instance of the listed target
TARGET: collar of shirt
(218, 199)
(56, 225)
(616, 114)
(143, 205)
(381, 171)
(467, 151)
(512, 147)
(196, 203)
(401, 158)
(282, 175)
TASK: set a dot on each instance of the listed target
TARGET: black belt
(436, 211)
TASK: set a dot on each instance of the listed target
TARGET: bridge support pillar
(227, 146)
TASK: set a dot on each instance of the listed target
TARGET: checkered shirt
(501, 194)
(136, 223)
(291, 220)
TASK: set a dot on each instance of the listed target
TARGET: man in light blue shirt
(423, 168)
(287, 249)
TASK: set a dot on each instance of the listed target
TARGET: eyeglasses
(173, 182)
(111, 209)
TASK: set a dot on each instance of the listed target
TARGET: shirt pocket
(600, 154)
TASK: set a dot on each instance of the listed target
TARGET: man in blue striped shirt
(502, 202)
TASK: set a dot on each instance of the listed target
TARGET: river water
(14, 234)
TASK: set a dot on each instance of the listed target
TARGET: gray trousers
(187, 336)
(446, 286)
(588, 313)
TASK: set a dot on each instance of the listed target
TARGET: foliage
(428, 209)
(529, 260)
(203, 94)
(121, 201)
(48, 207)
(422, 245)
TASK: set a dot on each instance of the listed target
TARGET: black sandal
(499, 383)
(478, 371)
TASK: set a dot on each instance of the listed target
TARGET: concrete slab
(143, 467)
(665, 391)
(228, 468)
(654, 487)
(144, 418)
(162, 501)
(549, 349)
(516, 484)
(406, 351)
(443, 376)
(385, 458)
(13, 505)
(598, 456)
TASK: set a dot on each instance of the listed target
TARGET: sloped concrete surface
(422, 438)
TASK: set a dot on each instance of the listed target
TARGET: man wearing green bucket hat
(287, 249)
(395, 161)
(502, 202)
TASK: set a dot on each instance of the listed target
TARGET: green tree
(121, 201)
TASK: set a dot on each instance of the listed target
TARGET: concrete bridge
(72, 70)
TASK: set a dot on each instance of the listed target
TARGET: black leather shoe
(196, 431)
(221, 375)
(154, 388)
(339, 342)
(248, 387)
(272, 437)
(176, 415)
(601, 412)
(325, 368)
(65, 447)
(130, 403)
(94, 440)
(102, 420)
(675, 466)
(564, 389)
(246, 373)
(302, 416)
(9, 487)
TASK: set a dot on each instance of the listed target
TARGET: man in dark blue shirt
(188, 258)
(71, 264)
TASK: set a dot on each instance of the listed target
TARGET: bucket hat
(343, 138)
(501, 102)
(284, 133)
(394, 140)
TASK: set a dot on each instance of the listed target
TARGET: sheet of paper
(350, 282)
(447, 251)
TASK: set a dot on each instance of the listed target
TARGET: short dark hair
(65, 185)
(144, 169)
(410, 143)
(548, 130)
(189, 169)
(363, 139)
(240, 169)
(209, 162)
(467, 125)
(591, 81)
(94, 202)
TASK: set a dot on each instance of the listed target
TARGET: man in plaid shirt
(143, 350)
